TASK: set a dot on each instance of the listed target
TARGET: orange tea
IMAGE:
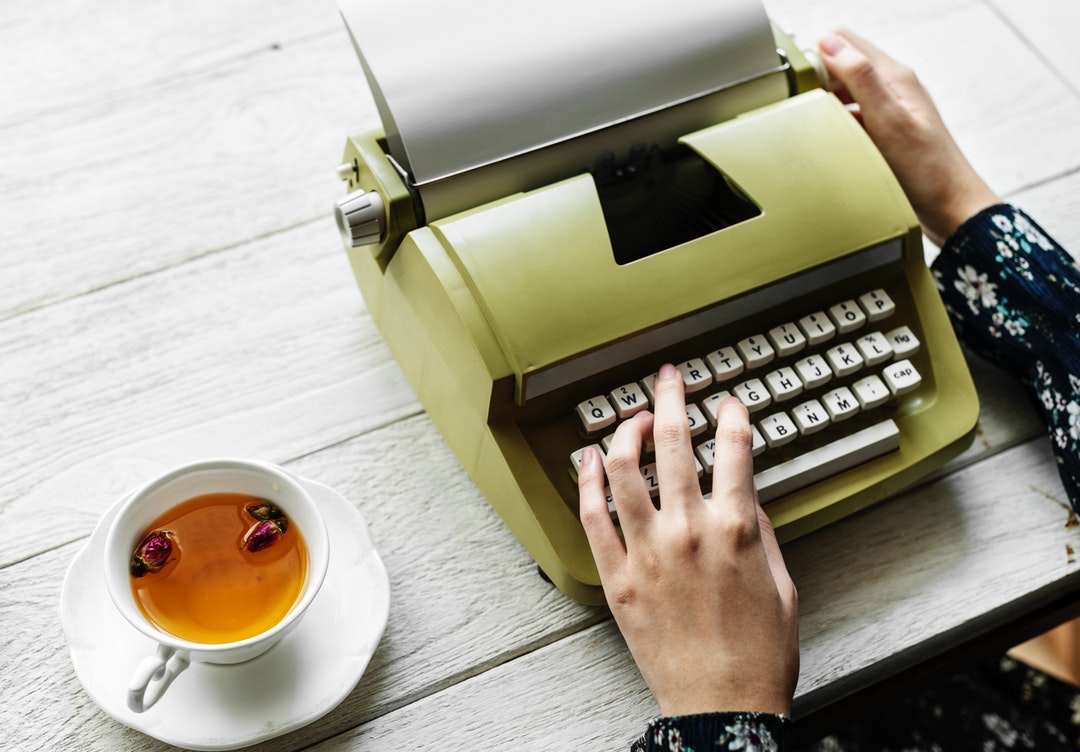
(219, 568)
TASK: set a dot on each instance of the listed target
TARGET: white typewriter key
(757, 444)
(700, 467)
(813, 370)
(698, 424)
(610, 502)
(648, 472)
(847, 316)
(605, 443)
(844, 359)
(783, 384)
(810, 417)
(787, 339)
(706, 455)
(629, 400)
(756, 351)
(753, 394)
(817, 327)
(901, 377)
(874, 348)
(871, 392)
(575, 458)
(696, 375)
(724, 363)
(840, 403)
(596, 414)
(877, 304)
(903, 342)
(779, 430)
(647, 384)
(711, 406)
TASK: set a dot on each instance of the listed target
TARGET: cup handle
(154, 675)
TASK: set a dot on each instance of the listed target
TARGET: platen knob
(361, 218)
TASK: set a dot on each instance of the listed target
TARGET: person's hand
(699, 590)
(903, 122)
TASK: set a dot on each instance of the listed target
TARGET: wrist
(745, 704)
(956, 194)
(963, 207)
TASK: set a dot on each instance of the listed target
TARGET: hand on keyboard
(700, 589)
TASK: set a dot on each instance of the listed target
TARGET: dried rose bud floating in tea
(219, 568)
(264, 534)
(152, 553)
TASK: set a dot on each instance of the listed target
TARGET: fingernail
(667, 371)
(831, 44)
(731, 402)
(589, 457)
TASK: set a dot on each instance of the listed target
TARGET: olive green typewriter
(548, 214)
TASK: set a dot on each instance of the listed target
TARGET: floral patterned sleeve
(1014, 296)
(710, 732)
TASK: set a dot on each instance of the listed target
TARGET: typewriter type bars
(796, 379)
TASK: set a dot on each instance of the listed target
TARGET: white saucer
(210, 707)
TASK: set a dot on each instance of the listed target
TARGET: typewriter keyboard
(814, 377)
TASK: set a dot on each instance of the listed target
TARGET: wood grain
(172, 286)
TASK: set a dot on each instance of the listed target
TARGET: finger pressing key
(608, 550)
(633, 502)
(733, 471)
(675, 466)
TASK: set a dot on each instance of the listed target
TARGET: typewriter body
(530, 293)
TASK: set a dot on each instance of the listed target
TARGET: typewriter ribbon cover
(487, 248)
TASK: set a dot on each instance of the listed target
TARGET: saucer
(211, 707)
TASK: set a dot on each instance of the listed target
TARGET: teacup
(139, 548)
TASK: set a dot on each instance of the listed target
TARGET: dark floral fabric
(1014, 296)
(711, 732)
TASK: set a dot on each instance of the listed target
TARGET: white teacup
(156, 672)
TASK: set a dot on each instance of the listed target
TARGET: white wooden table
(172, 287)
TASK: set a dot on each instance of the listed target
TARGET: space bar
(830, 459)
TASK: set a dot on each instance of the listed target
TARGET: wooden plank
(263, 351)
(951, 555)
(1048, 28)
(582, 693)
(70, 53)
(98, 193)
(1053, 205)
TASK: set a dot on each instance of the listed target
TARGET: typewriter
(561, 200)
